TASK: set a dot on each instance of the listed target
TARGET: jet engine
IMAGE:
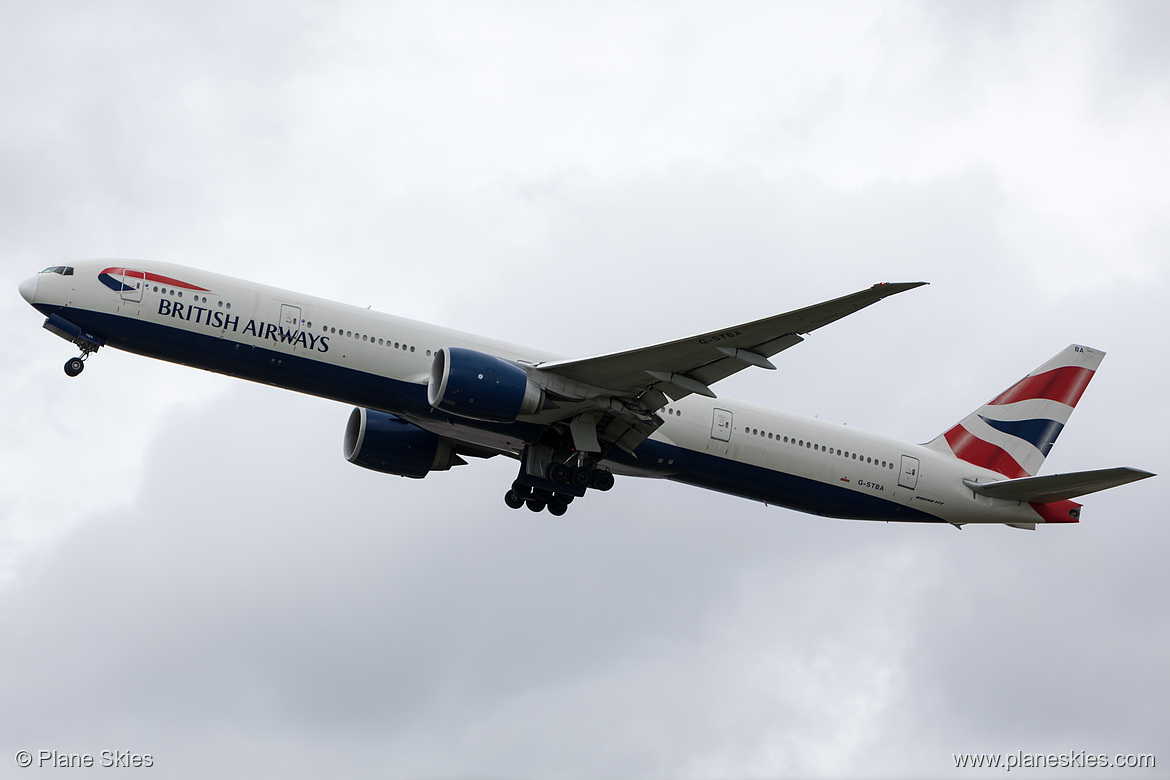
(391, 445)
(472, 384)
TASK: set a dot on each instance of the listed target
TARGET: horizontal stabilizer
(1057, 487)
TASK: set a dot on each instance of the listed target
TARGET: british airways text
(221, 320)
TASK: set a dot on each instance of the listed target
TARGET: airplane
(427, 397)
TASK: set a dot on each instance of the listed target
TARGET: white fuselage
(379, 361)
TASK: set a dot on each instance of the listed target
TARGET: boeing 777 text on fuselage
(428, 397)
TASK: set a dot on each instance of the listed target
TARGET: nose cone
(28, 289)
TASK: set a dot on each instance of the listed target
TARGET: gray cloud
(191, 570)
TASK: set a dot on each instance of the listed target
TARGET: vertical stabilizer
(1013, 432)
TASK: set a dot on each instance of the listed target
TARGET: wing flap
(1057, 487)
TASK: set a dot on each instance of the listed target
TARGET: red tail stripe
(1063, 385)
(1058, 511)
(969, 447)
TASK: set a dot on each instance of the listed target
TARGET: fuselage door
(290, 318)
(721, 425)
(132, 284)
(290, 324)
(909, 476)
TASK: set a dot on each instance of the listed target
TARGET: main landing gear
(557, 489)
(537, 499)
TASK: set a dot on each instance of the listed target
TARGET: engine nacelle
(391, 445)
(472, 384)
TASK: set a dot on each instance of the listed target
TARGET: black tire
(522, 491)
(556, 508)
(581, 477)
(512, 500)
(558, 473)
(602, 480)
(74, 366)
(534, 505)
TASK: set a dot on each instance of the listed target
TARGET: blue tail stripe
(1040, 433)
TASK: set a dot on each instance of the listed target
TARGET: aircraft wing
(692, 365)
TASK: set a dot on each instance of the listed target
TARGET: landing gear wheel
(535, 505)
(513, 500)
(558, 473)
(602, 480)
(74, 366)
(581, 477)
(556, 508)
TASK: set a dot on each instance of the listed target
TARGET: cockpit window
(64, 270)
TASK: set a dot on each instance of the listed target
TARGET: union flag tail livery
(1013, 433)
(430, 398)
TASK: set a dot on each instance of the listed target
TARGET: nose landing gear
(74, 366)
(87, 342)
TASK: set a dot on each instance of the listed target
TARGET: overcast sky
(189, 568)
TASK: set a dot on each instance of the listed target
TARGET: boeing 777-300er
(427, 397)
